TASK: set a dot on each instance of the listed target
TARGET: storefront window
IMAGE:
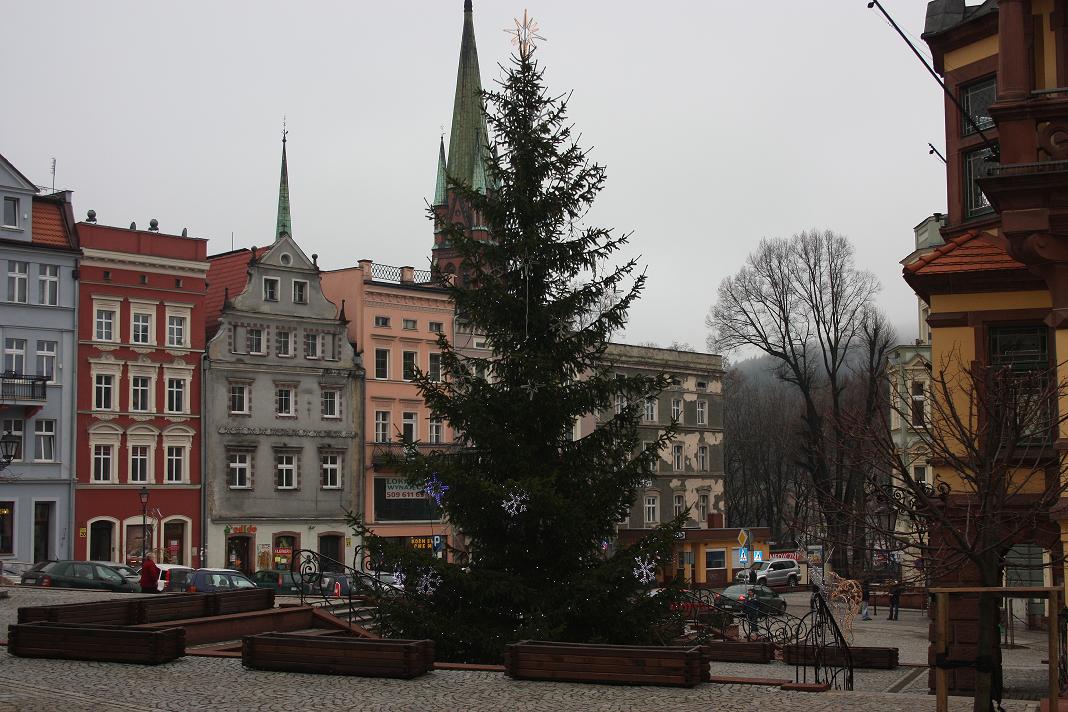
(284, 546)
(397, 501)
(7, 527)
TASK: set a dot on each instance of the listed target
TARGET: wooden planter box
(253, 599)
(739, 652)
(863, 657)
(101, 643)
(116, 612)
(333, 655)
(173, 607)
(679, 666)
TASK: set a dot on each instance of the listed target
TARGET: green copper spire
(478, 180)
(439, 186)
(285, 221)
(468, 119)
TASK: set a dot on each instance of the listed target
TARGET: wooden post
(941, 648)
(1054, 651)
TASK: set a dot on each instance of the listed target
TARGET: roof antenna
(53, 174)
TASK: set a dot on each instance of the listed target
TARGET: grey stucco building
(39, 259)
(283, 407)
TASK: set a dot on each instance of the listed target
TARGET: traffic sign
(758, 556)
(743, 556)
(743, 538)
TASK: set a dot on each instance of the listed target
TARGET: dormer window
(270, 289)
(11, 212)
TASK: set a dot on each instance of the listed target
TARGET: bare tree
(803, 302)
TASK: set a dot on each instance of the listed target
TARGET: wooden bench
(114, 612)
(101, 643)
(252, 599)
(338, 655)
(867, 658)
(681, 666)
(729, 651)
(172, 607)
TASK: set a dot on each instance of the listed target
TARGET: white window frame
(326, 467)
(104, 385)
(409, 358)
(132, 448)
(150, 336)
(170, 379)
(433, 370)
(678, 460)
(436, 327)
(234, 465)
(382, 433)
(677, 410)
(335, 398)
(409, 324)
(678, 503)
(133, 379)
(436, 431)
(381, 322)
(651, 508)
(18, 276)
(15, 355)
(621, 403)
(312, 337)
(410, 420)
(246, 398)
(291, 399)
(103, 453)
(649, 415)
(186, 314)
(48, 285)
(179, 437)
(280, 467)
(287, 341)
(260, 350)
(386, 376)
(142, 436)
(702, 458)
(18, 212)
(53, 355)
(42, 435)
(304, 284)
(99, 333)
(175, 453)
(276, 283)
(702, 506)
(702, 412)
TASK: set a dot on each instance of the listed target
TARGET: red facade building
(140, 342)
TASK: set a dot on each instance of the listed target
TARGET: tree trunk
(988, 679)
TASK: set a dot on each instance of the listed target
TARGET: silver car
(776, 572)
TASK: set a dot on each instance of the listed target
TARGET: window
(48, 285)
(311, 345)
(175, 463)
(655, 458)
(175, 395)
(283, 343)
(919, 473)
(650, 410)
(105, 325)
(139, 463)
(409, 324)
(381, 363)
(11, 212)
(408, 364)
(141, 329)
(16, 281)
(652, 509)
(139, 392)
(176, 330)
(102, 463)
(46, 359)
(237, 470)
(715, 558)
(15, 355)
(270, 289)
(679, 505)
(285, 471)
(330, 401)
(435, 327)
(676, 457)
(7, 527)
(621, 403)
(103, 391)
(44, 440)
(918, 404)
(676, 409)
(255, 341)
(702, 412)
(437, 431)
(330, 470)
(702, 385)
(381, 426)
(977, 165)
(382, 321)
(283, 401)
(14, 426)
(976, 99)
(434, 372)
(702, 458)
(300, 291)
(239, 400)
(702, 507)
(1023, 351)
(408, 426)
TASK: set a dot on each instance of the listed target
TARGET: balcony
(385, 454)
(20, 388)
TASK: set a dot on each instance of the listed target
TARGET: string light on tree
(515, 503)
(435, 488)
(399, 577)
(644, 569)
(428, 583)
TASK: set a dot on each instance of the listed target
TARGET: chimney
(366, 266)
(407, 275)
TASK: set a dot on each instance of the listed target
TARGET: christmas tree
(535, 508)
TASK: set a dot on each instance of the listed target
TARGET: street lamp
(144, 523)
(9, 445)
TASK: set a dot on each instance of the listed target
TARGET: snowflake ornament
(644, 569)
(435, 488)
(604, 545)
(398, 577)
(428, 583)
(516, 503)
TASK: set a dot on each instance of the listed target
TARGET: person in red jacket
(149, 576)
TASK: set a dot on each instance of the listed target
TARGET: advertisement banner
(398, 488)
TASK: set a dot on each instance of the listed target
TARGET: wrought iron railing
(20, 387)
(386, 453)
(1014, 169)
(385, 273)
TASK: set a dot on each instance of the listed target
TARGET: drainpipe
(71, 416)
(203, 458)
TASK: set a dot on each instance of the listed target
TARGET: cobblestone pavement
(211, 683)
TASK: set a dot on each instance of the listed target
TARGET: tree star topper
(435, 488)
(524, 34)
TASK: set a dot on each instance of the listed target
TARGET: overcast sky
(719, 123)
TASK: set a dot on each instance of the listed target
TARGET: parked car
(127, 572)
(281, 581)
(12, 570)
(777, 572)
(333, 584)
(213, 580)
(78, 574)
(746, 599)
(172, 577)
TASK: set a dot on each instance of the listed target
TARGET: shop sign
(398, 488)
(241, 529)
(421, 542)
(283, 551)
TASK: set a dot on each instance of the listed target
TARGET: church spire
(285, 221)
(440, 184)
(468, 134)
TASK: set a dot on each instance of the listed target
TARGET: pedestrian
(865, 599)
(752, 577)
(149, 576)
(895, 600)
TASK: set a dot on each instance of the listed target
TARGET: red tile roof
(970, 252)
(228, 272)
(48, 226)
